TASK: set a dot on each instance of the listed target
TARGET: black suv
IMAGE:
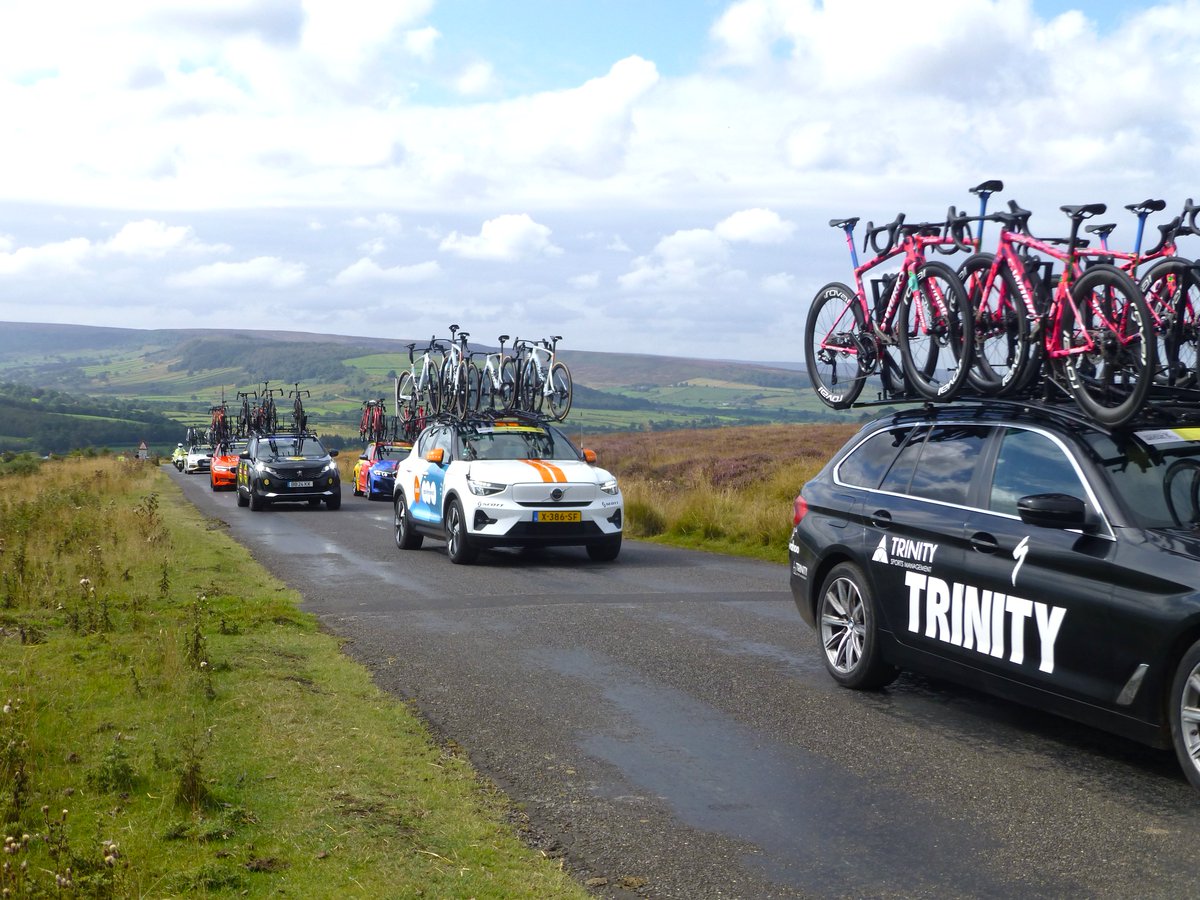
(1020, 549)
(288, 468)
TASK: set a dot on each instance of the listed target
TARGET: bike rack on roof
(1165, 407)
(490, 417)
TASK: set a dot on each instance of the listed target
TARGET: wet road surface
(666, 724)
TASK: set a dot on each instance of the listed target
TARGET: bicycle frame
(912, 248)
(1060, 299)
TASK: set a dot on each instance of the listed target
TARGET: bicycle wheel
(834, 346)
(459, 399)
(434, 396)
(1004, 354)
(474, 387)
(1172, 293)
(298, 415)
(271, 419)
(1107, 327)
(561, 391)
(529, 389)
(508, 384)
(406, 401)
(934, 329)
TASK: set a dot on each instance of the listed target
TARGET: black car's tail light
(799, 510)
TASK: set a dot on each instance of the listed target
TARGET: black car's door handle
(881, 518)
(984, 542)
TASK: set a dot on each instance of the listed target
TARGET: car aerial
(222, 475)
(514, 481)
(198, 459)
(288, 468)
(1020, 549)
(179, 456)
(375, 470)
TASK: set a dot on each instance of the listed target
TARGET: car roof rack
(491, 417)
(1165, 407)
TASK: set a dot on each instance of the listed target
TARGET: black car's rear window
(947, 463)
(865, 465)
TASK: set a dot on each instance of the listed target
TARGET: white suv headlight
(610, 486)
(483, 488)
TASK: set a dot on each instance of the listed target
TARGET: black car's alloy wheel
(1185, 714)
(849, 637)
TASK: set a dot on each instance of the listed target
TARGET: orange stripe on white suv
(548, 471)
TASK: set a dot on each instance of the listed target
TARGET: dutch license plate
(557, 515)
(299, 484)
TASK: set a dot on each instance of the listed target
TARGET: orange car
(222, 476)
(375, 471)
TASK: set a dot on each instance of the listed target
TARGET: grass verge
(172, 724)
(728, 490)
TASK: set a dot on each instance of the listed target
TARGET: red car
(375, 471)
(222, 476)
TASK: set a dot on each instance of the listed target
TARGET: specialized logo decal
(1019, 552)
(548, 471)
(906, 553)
(974, 619)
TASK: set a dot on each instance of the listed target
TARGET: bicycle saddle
(988, 187)
(843, 223)
(1086, 211)
(1147, 206)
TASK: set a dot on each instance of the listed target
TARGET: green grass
(175, 726)
(727, 490)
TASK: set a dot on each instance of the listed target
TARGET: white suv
(507, 482)
(198, 459)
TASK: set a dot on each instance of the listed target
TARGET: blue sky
(652, 176)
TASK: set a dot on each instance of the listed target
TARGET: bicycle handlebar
(871, 235)
(1189, 212)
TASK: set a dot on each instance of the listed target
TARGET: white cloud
(755, 226)
(153, 239)
(384, 222)
(58, 257)
(267, 271)
(779, 283)
(587, 282)
(697, 258)
(420, 42)
(506, 238)
(476, 79)
(681, 261)
(346, 34)
(367, 270)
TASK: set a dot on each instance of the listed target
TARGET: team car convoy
(514, 481)
(1016, 548)
(222, 475)
(375, 470)
(288, 468)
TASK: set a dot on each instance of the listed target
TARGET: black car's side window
(900, 473)
(1030, 463)
(866, 465)
(947, 463)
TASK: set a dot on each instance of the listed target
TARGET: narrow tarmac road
(666, 724)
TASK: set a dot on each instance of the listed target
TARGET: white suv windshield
(516, 442)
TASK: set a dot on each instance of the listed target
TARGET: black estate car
(1016, 548)
(288, 468)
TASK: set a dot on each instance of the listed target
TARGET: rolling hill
(177, 374)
